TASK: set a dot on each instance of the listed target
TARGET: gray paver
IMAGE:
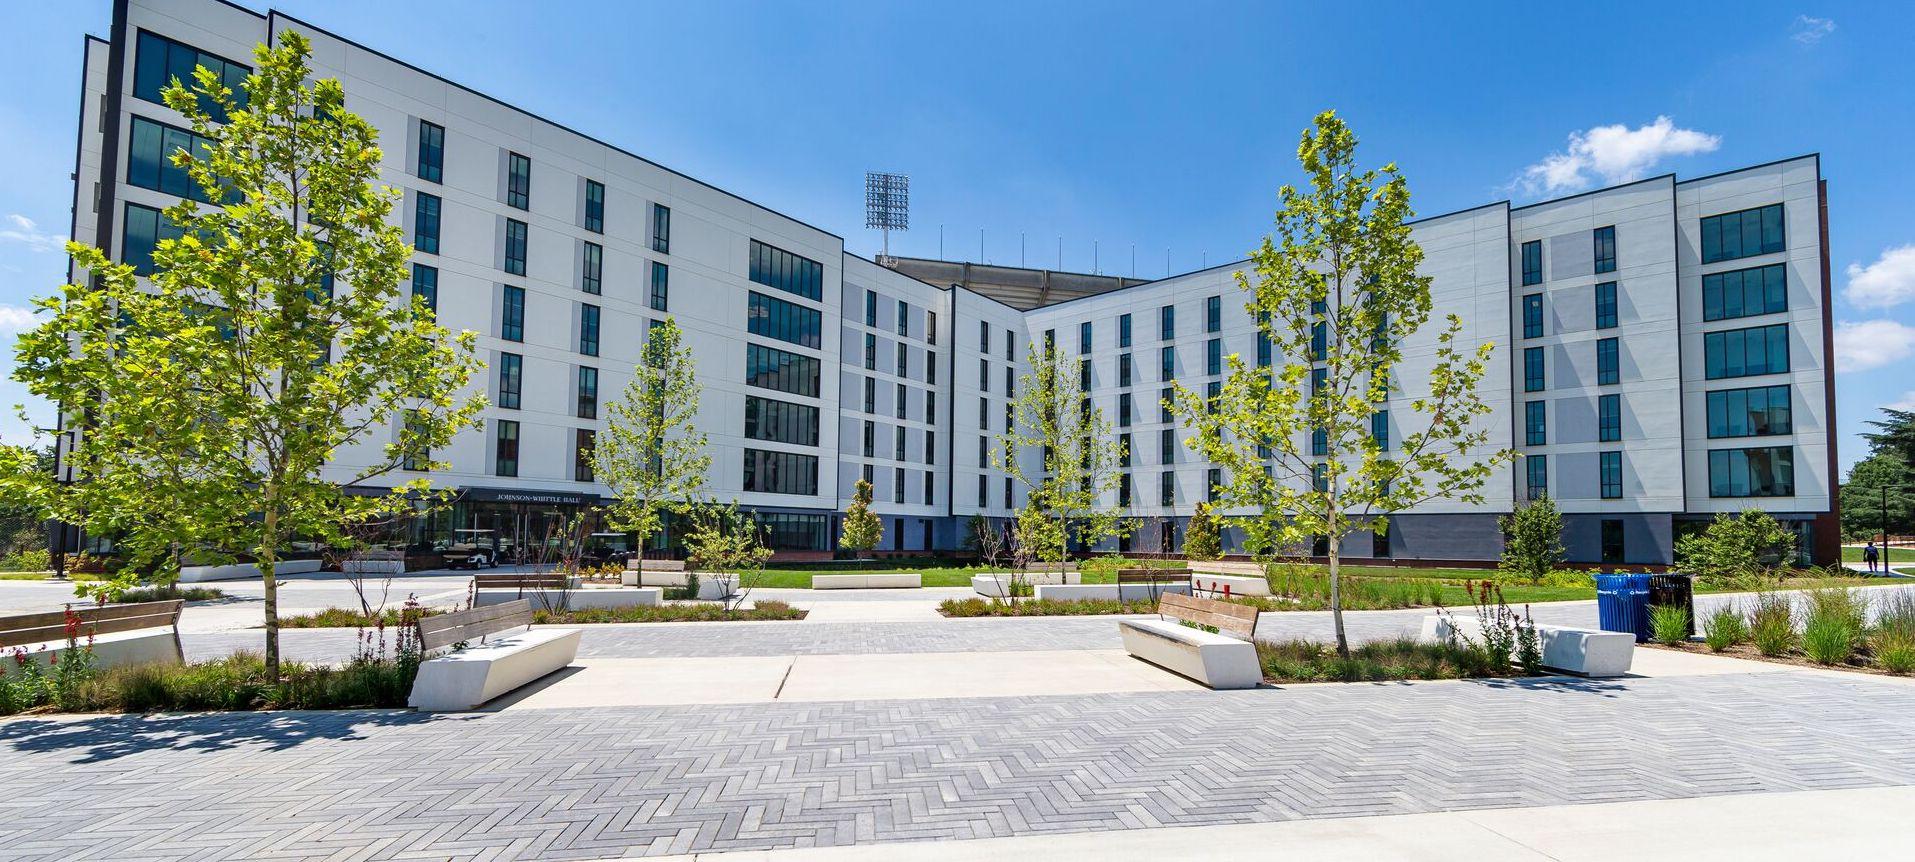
(592, 783)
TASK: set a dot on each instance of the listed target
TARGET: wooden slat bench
(521, 580)
(1224, 658)
(469, 676)
(136, 633)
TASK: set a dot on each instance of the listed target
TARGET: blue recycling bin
(1622, 604)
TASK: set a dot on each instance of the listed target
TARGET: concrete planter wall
(1215, 586)
(116, 650)
(998, 584)
(885, 581)
(620, 597)
(241, 571)
(1109, 592)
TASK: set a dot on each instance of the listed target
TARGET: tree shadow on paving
(1558, 684)
(95, 739)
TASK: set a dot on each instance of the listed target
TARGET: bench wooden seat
(137, 633)
(521, 580)
(1222, 659)
(652, 565)
(468, 677)
(1152, 576)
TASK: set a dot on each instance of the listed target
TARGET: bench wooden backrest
(1151, 576)
(51, 625)
(521, 580)
(1226, 617)
(447, 629)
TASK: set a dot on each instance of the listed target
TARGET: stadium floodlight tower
(887, 206)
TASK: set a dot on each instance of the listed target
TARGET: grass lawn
(41, 576)
(1853, 554)
(936, 574)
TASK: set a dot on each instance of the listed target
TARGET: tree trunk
(267, 557)
(1336, 601)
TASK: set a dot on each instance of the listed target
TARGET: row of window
(1608, 421)
(780, 421)
(928, 490)
(1603, 240)
(902, 354)
(1765, 471)
(1605, 310)
(780, 472)
(898, 436)
(903, 319)
(900, 401)
(505, 451)
(1608, 475)
(429, 165)
(774, 267)
(772, 317)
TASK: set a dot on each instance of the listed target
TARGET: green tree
(270, 337)
(1336, 292)
(651, 455)
(1881, 487)
(1201, 541)
(726, 541)
(863, 529)
(1752, 542)
(1054, 417)
(1532, 540)
(22, 516)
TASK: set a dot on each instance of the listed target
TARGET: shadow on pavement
(101, 738)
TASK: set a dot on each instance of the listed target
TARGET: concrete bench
(380, 562)
(240, 571)
(1214, 585)
(569, 600)
(468, 678)
(1227, 567)
(997, 585)
(129, 634)
(885, 581)
(1138, 592)
(632, 577)
(1585, 652)
(1220, 659)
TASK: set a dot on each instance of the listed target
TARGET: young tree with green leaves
(723, 540)
(650, 454)
(270, 337)
(1751, 542)
(1532, 540)
(1053, 416)
(863, 529)
(1201, 539)
(1336, 292)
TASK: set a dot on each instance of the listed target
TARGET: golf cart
(476, 549)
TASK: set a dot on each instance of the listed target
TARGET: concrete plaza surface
(604, 782)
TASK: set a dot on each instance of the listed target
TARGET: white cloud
(1614, 154)
(1904, 403)
(1809, 31)
(1860, 346)
(26, 232)
(13, 318)
(1887, 282)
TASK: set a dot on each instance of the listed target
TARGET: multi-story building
(1662, 348)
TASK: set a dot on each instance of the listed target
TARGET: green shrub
(1828, 639)
(1308, 589)
(169, 592)
(1401, 659)
(1669, 624)
(1724, 628)
(29, 560)
(695, 612)
(1772, 624)
(1847, 606)
(352, 618)
(1894, 650)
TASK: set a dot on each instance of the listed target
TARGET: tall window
(1213, 357)
(1167, 489)
(1084, 338)
(1213, 314)
(1010, 348)
(1745, 292)
(511, 376)
(771, 368)
(515, 241)
(661, 286)
(1536, 471)
(1123, 330)
(1612, 541)
(1167, 445)
(417, 459)
(512, 314)
(1380, 429)
(145, 228)
(1610, 467)
(1319, 331)
(1213, 477)
(149, 159)
(518, 181)
(1166, 398)
(774, 267)
(1533, 316)
(505, 458)
(1606, 305)
(1123, 369)
(1123, 410)
(1532, 262)
(159, 60)
(1609, 418)
(595, 206)
(1167, 363)
(592, 279)
(588, 329)
(425, 286)
(786, 321)
(661, 229)
(930, 327)
(1758, 411)
(1532, 369)
(1535, 423)
(1083, 375)
(1608, 362)
(870, 352)
(432, 152)
(583, 441)
(1745, 233)
(899, 404)
(587, 392)
(983, 337)
(1746, 352)
(930, 408)
(1167, 322)
(871, 395)
(904, 359)
(425, 223)
(1767, 471)
(1605, 239)
(904, 319)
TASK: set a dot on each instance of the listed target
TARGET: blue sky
(1163, 127)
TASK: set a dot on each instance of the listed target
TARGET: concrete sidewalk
(1787, 827)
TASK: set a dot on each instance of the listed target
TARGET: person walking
(1869, 555)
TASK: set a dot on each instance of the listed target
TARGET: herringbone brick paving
(599, 783)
